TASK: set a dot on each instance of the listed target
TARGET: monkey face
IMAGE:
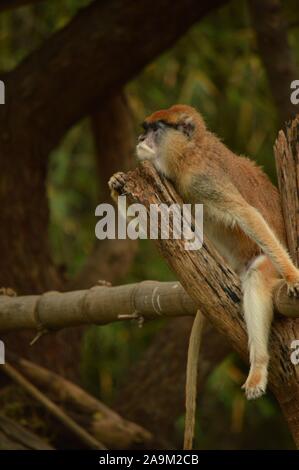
(177, 121)
(167, 134)
(149, 141)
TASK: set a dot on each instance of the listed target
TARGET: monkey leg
(258, 283)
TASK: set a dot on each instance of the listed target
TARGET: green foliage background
(216, 68)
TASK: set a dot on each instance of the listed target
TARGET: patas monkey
(242, 217)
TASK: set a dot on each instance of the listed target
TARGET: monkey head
(167, 133)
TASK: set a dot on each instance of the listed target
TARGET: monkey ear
(186, 125)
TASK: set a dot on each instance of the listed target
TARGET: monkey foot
(254, 392)
(293, 289)
(256, 384)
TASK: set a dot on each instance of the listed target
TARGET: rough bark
(271, 31)
(286, 151)
(216, 290)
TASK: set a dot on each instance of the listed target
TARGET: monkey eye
(153, 126)
(145, 125)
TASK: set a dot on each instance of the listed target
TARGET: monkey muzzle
(146, 147)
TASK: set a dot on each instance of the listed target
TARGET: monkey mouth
(145, 152)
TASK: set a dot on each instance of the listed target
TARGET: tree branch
(16, 437)
(104, 46)
(286, 156)
(286, 151)
(64, 419)
(102, 422)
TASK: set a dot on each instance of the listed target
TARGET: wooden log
(13, 436)
(103, 423)
(286, 150)
(55, 410)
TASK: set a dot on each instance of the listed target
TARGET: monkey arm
(226, 204)
(254, 225)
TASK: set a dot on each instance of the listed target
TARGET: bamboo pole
(101, 305)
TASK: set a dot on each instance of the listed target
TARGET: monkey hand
(293, 284)
(116, 184)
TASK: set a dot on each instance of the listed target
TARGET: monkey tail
(191, 379)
